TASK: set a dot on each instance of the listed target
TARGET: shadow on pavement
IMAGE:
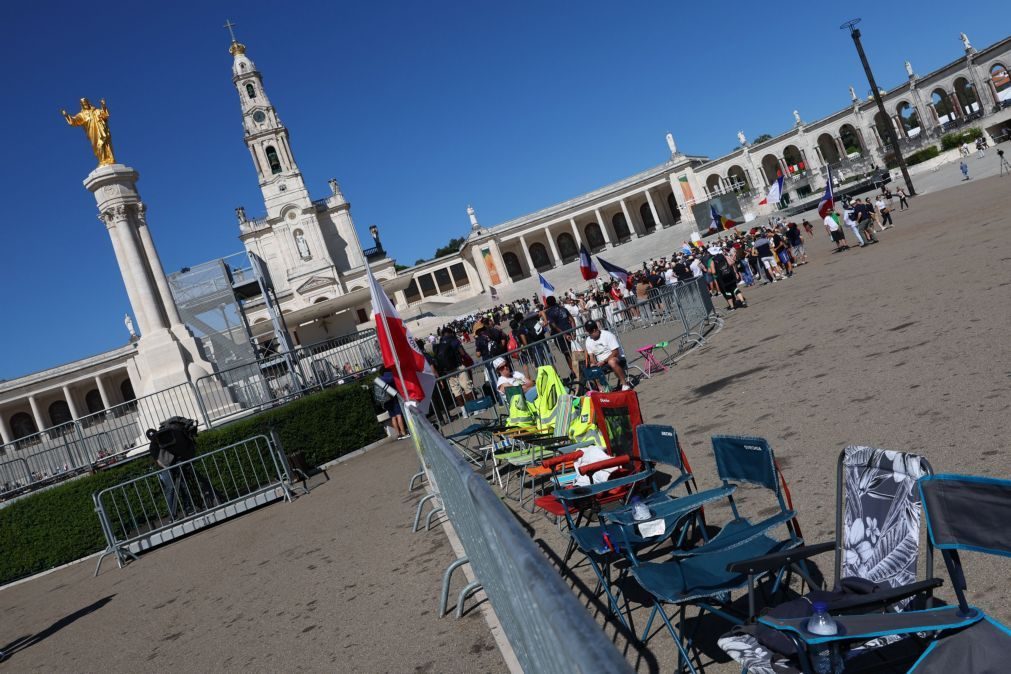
(21, 643)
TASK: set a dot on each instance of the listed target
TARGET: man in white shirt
(696, 267)
(851, 221)
(833, 229)
(602, 348)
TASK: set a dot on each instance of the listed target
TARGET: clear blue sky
(417, 108)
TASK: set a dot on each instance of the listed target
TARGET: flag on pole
(775, 192)
(544, 288)
(586, 266)
(719, 222)
(412, 374)
(827, 203)
(614, 270)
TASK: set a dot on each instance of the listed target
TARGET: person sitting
(508, 377)
(602, 349)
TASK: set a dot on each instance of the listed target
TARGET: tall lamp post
(889, 129)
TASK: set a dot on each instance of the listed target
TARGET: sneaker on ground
(626, 387)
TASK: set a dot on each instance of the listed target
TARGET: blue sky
(417, 108)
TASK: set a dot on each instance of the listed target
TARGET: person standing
(763, 247)
(796, 241)
(964, 168)
(727, 278)
(560, 322)
(903, 204)
(449, 359)
(835, 232)
(886, 214)
(850, 218)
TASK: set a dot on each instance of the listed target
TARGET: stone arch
(881, 123)
(713, 184)
(250, 90)
(126, 388)
(1001, 81)
(567, 248)
(273, 161)
(909, 118)
(794, 159)
(738, 179)
(942, 106)
(770, 165)
(646, 215)
(967, 97)
(829, 149)
(324, 298)
(539, 256)
(512, 265)
(620, 225)
(22, 425)
(594, 237)
(59, 413)
(672, 204)
(851, 139)
(93, 401)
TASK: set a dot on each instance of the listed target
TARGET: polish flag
(586, 266)
(775, 192)
(412, 374)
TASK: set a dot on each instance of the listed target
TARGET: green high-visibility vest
(520, 412)
(582, 426)
(549, 390)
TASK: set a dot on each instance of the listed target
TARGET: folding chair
(962, 513)
(700, 576)
(876, 547)
(480, 429)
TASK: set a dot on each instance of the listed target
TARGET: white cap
(498, 362)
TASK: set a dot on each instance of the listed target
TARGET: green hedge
(950, 141)
(922, 155)
(59, 525)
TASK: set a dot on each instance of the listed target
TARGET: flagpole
(373, 287)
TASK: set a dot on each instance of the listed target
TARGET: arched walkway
(126, 388)
(512, 265)
(539, 256)
(851, 140)
(22, 425)
(910, 120)
(1001, 81)
(738, 179)
(567, 247)
(594, 237)
(647, 218)
(672, 204)
(881, 124)
(966, 94)
(59, 413)
(829, 149)
(93, 401)
(620, 225)
(713, 185)
(794, 159)
(941, 103)
(770, 166)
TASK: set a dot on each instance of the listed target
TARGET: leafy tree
(761, 139)
(451, 247)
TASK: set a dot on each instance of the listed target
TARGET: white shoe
(626, 387)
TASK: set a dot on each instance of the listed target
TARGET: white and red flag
(412, 374)
(827, 203)
(586, 266)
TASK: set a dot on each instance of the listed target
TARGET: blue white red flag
(827, 203)
(544, 288)
(586, 266)
(775, 192)
(614, 270)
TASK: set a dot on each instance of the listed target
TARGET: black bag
(722, 267)
(446, 357)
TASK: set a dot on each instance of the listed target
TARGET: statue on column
(853, 95)
(741, 138)
(240, 214)
(334, 187)
(671, 144)
(796, 116)
(96, 127)
(909, 69)
(965, 41)
(302, 245)
(128, 322)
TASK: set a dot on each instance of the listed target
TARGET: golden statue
(96, 126)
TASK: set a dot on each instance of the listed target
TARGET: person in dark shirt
(782, 254)
(763, 247)
(681, 270)
(559, 320)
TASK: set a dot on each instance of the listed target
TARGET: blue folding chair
(480, 430)
(700, 576)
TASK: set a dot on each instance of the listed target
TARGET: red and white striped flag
(412, 374)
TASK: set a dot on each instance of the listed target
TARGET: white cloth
(831, 223)
(603, 345)
(696, 268)
(592, 454)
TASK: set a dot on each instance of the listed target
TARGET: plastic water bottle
(823, 625)
(640, 511)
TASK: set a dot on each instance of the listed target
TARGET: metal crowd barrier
(547, 626)
(13, 481)
(139, 514)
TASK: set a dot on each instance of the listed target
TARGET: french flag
(544, 288)
(586, 266)
(827, 203)
(412, 374)
(775, 192)
(614, 270)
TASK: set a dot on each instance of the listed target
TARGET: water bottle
(823, 625)
(640, 511)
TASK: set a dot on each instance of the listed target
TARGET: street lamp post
(889, 129)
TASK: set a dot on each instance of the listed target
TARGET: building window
(22, 425)
(250, 91)
(272, 160)
(460, 275)
(93, 400)
(363, 316)
(59, 413)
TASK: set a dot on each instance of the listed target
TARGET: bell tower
(266, 137)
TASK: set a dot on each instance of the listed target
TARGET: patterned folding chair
(877, 541)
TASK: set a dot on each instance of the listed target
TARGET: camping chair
(480, 430)
(700, 576)
(876, 548)
(962, 513)
(528, 449)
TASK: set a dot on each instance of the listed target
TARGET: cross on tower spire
(229, 25)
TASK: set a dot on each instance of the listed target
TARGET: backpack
(446, 357)
(721, 266)
(512, 344)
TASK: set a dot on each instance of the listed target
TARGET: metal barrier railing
(546, 625)
(340, 358)
(153, 509)
(12, 481)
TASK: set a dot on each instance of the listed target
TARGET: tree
(451, 247)
(761, 139)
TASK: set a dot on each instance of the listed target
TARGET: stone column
(68, 396)
(144, 288)
(526, 254)
(956, 106)
(553, 247)
(5, 432)
(132, 294)
(575, 232)
(172, 313)
(37, 413)
(603, 228)
(652, 209)
(106, 403)
(628, 219)
(842, 147)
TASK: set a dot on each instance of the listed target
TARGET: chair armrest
(777, 560)
(613, 462)
(872, 625)
(581, 492)
(883, 597)
(673, 508)
(561, 458)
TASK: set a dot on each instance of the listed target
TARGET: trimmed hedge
(950, 141)
(59, 525)
(923, 155)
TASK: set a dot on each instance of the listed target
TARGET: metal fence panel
(155, 508)
(547, 626)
